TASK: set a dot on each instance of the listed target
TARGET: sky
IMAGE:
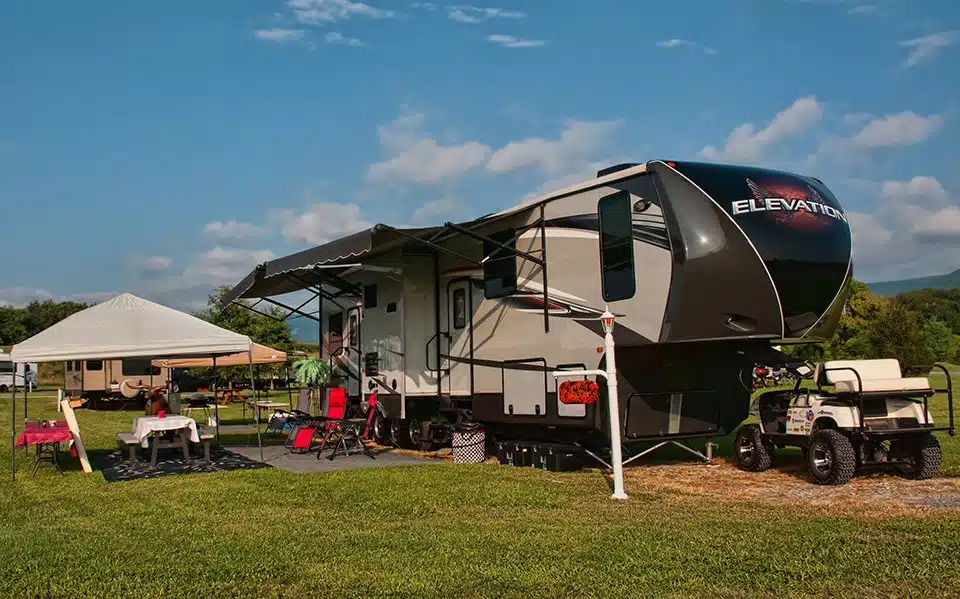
(165, 148)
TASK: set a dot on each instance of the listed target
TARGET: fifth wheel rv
(705, 266)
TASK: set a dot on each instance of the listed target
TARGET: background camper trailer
(26, 374)
(110, 380)
(705, 266)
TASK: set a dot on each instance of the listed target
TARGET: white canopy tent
(128, 326)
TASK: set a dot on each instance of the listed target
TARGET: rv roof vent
(616, 167)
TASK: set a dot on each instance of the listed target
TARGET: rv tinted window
(616, 247)
(459, 308)
(6, 367)
(136, 367)
(369, 297)
(500, 269)
(94, 364)
(354, 323)
(335, 324)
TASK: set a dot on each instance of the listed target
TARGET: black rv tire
(381, 428)
(750, 450)
(831, 458)
(925, 456)
(4, 389)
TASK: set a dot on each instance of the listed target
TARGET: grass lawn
(446, 531)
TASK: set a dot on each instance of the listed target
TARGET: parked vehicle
(99, 380)
(26, 374)
(704, 265)
(872, 417)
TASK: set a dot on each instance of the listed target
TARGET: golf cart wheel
(750, 450)
(924, 457)
(831, 458)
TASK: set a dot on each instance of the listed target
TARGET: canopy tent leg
(13, 427)
(25, 390)
(286, 379)
(256, 409)
(216, 404)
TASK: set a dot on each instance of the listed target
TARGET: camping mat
(117, 468)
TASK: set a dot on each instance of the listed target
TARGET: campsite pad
(879, 493)
(117, 468)
(280, 457)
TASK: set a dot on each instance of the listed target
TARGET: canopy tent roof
(259, 354)
(127, 326)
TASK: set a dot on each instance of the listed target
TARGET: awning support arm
(429, 244)
(292, 310)
(502, 246)
(251, 308)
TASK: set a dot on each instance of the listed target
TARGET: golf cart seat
(878, 376)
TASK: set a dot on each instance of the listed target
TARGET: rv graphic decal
(648, 228)
(789, 204)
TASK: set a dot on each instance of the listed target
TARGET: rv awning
(260, 354)
(125, 327)
(316, 266)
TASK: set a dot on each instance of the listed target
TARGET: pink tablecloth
(34, 434)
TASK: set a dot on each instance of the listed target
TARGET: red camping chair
(302, 436)
(347, 432)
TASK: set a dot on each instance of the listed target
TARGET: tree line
(916, 327)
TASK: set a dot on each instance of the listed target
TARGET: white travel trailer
(26, 374)
(706, 266)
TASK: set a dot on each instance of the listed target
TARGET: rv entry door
(456, 360)
(354, 358)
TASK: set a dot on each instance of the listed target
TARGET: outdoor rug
(117, 468)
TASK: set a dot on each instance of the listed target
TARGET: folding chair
(280, 418)
(349, 433)
(307, 428)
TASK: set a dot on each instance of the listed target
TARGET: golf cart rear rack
(905, 394)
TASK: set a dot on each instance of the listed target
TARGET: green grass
(441, 531)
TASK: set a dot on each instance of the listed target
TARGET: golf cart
(872, 416)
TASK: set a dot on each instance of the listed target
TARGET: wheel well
(824, 422)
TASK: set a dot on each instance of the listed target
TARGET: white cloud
(509, 41)
(232, 231)
(575, 147)
(857, 118)
(323, 222)
(424, 5)
(413, 156)
(21, 296)
(904, 129)
(432, 212)
(682, 43)
(317, 12)
(746, 144)
(334, 37)
(576, 174)
(279, 34)
(149, 264)
(914, 230)
(473, 15)
(924, 48)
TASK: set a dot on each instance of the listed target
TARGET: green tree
(942, 304)
(939, 340)
(900, 333)
(12, 328)
(41, 315)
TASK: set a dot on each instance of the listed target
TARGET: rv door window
(616, 247)
(500, 269)
(354, 321)
(335, 324)
(459, 308)
(94, 365)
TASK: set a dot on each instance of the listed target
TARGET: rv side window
(6, 367)
(500, 268)
(136, 367)
(94, 364)
(459, 308)
(369, 297)
(616, 247)
(335, 324)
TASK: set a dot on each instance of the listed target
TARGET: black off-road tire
(750, 451)
(926, 456)
(831, 458)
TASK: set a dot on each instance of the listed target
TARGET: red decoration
(579, 392)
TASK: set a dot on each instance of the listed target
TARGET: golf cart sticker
(789, 204)
(799, 421)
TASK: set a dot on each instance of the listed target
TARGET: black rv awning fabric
(316, 266)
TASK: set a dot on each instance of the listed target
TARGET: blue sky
(163, 148)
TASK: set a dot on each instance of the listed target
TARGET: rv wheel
(750, 451)
(831, 458)
(394, 432)
(381, 429)
(923, 456)
(4, 389)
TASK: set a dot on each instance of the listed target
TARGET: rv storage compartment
(557, 458)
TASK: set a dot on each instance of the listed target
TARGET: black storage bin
(557, 458)
(511, 453)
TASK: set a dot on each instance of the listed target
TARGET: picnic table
(146, 428)
(47, 440)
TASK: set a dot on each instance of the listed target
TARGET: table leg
(183, 442)
(156, 443)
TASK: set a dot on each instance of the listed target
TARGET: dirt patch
(878, 492)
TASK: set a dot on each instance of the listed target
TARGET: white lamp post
(613, 405)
